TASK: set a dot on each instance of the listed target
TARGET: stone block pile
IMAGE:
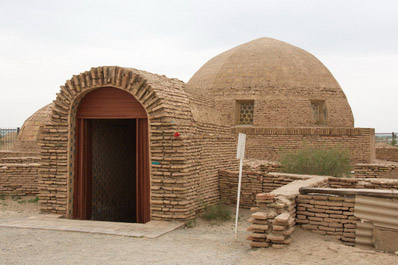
(272, 222)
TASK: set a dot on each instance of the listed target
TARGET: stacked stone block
(272, 223)
(328, 215)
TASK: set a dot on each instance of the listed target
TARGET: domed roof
(285, 86)
(263, 62)
(30, 131)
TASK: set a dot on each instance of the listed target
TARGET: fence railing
(7, 138)
(388, 138)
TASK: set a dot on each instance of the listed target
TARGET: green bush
(324, 161)
(217, 212)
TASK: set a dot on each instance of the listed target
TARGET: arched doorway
(112, 158)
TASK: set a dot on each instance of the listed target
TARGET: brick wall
(268, 143)
(376, 171)
(253, 183)
(364, 183)
(328, 215)
(19, 179)
(387, 153)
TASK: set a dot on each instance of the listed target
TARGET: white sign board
(240, 154)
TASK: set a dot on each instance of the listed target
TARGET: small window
(245, 110)
(319, 113)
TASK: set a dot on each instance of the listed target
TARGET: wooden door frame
(83, 172)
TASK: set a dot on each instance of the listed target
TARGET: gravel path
(204, 244)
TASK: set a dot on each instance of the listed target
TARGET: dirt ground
(205, 243)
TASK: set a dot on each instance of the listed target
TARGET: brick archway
(167, 107)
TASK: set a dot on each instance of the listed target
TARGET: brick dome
(283, 81)
(30, 132)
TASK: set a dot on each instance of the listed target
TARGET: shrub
(190, 223)
(217, 212)
(327, 161)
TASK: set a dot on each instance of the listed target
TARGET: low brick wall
(19, 179)
(253, 183)
(376, 171)
(273, 219)
(365, 183)
(387, 153)
(328, 215)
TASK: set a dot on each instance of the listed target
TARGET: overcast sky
(44, 43)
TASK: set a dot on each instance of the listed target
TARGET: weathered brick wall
(376, 171)
(19, 179)
(387, 153)
(253, 183)
(364, 183)
(328, 215)
(268, 143)
(211, 148)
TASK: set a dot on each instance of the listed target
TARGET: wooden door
(110, 103)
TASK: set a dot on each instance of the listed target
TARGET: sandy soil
(206, 243)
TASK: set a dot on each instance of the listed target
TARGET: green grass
(323, 161)
(217, 212)
(191, 223)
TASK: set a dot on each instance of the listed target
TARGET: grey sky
(43, 43)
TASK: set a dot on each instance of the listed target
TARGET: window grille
(245, 112)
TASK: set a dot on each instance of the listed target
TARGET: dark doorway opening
(113, 166)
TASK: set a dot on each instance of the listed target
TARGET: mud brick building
(123, 144)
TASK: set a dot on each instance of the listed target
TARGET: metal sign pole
(240, 155)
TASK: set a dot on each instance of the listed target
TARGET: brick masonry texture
(387, 153)
(376, 170)
(328, 215)
(253, 183)
(268, 143)
(363, 183)
(19, 178)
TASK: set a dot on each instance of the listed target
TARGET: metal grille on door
(114, 170)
